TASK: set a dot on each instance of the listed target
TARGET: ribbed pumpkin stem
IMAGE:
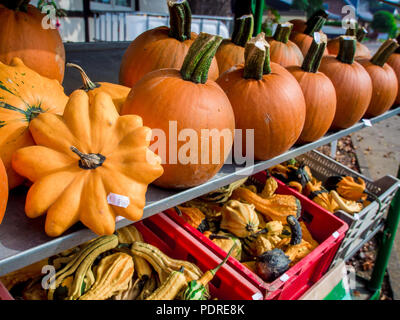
(87, 83)
(347, 49)
(384, 52)
(243, 29)
(257, 58)
(318, 13)
(180, 19)
(314, 25)
(198, 60)
(361, 34)
(283, 31)
(313, 58)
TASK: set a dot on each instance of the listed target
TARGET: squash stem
(318, 13)
(90, 160)
(257, 58)
(180, 19)
(198, 60)
(283, 31)
(314, 25)
(313, 58)
(347, 49)
(361, 34)
(87, 83)
(384, 52)
(243, 30)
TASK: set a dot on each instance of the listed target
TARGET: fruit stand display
(88, 195)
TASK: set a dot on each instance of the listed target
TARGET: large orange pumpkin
(267, 98)
(3, 190)
(282, 50)
(352, 83)
(185, 101)
(384, 80)
(304, 39)
(117, 92)
(89, 165)
(362, 51)
(23, 95)
(161, 47)
(318, 90)
(394, 62)
(23, 36)
(231, 52)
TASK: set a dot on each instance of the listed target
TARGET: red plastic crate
(325, 228)
(170, 238)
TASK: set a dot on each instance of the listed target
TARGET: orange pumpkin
(362, 51)
(352, 83)
(24, 37)
(231, 52)
(384, 80)
(117, 92)
(282, 50)
(394, 62)
(186, 99)
(89, 165)
(267, 98)
(23, 95)
(161, 47)
(299, 25)
(304, 39)
(318, 90)
(3, 190)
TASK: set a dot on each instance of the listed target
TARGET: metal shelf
(23, 240)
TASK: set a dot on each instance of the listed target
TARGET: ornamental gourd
(384, 80)
(89, 165)
(231, 52)
(282, 50)
(319, 93)
(3, 190)
(352, 83)
(117, 92)
(23, 95)
(266, 98)
(161, 47)
(362, 51)
(304, 39)
(23, 36)
(183, 104)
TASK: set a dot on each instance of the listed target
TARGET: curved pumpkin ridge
(45, 191)
(98, 215)
(64, 212)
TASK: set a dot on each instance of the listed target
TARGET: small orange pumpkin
(117, 92)
(384, 80)
(3, 190)
(89, 165)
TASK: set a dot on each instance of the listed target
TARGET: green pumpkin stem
(198, 60)
(351, 32)
(384, 52)
(313, 58)
(283, 31)
(180, 19)
(361, 34)
(347, 49)
(314, 25)
(257, 58)
(318, 13)
(243, 30)
(87, 83)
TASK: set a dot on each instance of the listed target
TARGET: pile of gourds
(263, 227)
(88, 158)
(120, 266)
(335, 193)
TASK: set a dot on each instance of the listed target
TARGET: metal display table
(23, 240)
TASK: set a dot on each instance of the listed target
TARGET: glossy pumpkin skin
(353, 90)
(23, 94)
(69, 192)
(274, 107)
(22, 36)
(320, 96)
(163, 96)
(229, 55)
(3, 190)
(361, 50)
(384, 87)
(285, 54)
(303, 41)
(154, 50)
(394, 62)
